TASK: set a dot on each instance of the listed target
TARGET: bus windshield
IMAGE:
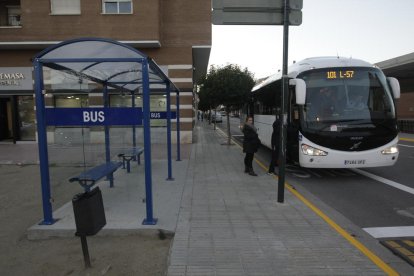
(342, 98)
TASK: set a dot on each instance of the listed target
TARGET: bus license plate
(354, 162)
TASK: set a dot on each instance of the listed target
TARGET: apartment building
(175, 34)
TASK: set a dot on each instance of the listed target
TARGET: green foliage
(229, 86)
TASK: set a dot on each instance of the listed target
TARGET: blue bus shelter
(116, 67)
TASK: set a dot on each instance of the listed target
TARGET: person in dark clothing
(251, 144)
(275, 146)
(328, 104)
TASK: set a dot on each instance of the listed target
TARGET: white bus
(336, 134)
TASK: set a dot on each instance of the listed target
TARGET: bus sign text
(348, 74)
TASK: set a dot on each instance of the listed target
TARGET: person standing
(275, 146)
(251, 144)
(328, 104)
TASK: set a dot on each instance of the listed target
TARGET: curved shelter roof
(111, 64)
(103, 61)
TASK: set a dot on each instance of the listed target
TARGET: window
(73, 100)
(26, 116)
(14, 13)
(10, 14)
(65, 6)
(117, 6)
(157, 103)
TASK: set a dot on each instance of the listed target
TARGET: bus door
(292, 144)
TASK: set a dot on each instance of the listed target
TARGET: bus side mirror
(300, 90)
(395, 87)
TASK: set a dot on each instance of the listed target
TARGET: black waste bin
(89, 212)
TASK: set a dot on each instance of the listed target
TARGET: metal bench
(130, 154)
(88, 178)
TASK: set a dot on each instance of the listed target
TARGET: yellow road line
(374, 258)
(407, 139)
(408, 242)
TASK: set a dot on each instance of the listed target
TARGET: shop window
(61, 7)
(124, 101)
(117, 6)
(26, 113)
(71, 100)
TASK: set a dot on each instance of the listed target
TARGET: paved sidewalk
(225, 221)
(231, 224)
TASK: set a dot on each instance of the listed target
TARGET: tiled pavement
(231, 224)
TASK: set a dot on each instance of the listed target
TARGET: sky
(371, 30)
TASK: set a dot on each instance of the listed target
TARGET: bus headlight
(308, 150)
(391, 150)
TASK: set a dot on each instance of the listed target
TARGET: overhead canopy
(201, 56)
(104, 61)
(402, 68)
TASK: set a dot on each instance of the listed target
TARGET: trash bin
(89, 212)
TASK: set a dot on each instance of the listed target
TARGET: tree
(207, 101)
(229, 86)
(204, 104)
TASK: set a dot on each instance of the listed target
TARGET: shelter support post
(178, 126)
(134, 142)
(169, 131)
(107, 148)
(149, 220)
(42, 141)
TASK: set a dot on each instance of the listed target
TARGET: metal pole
(149, 220)
(283, 111)
(42, 141)
(169, 132)
(178, 126)
(85, 251)
(134, 142)
(107, 148)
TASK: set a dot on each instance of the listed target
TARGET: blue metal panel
(93, 116)
(162, 115)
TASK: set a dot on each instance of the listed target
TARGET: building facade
(175, 34)
(402, 68)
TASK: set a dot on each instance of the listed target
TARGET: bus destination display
(340, 74)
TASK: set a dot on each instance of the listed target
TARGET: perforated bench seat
(88, 178)
(130, 154)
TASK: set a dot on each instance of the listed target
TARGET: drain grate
(402, 248)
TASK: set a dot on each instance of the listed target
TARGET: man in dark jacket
(275, 146)
(251, 144)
